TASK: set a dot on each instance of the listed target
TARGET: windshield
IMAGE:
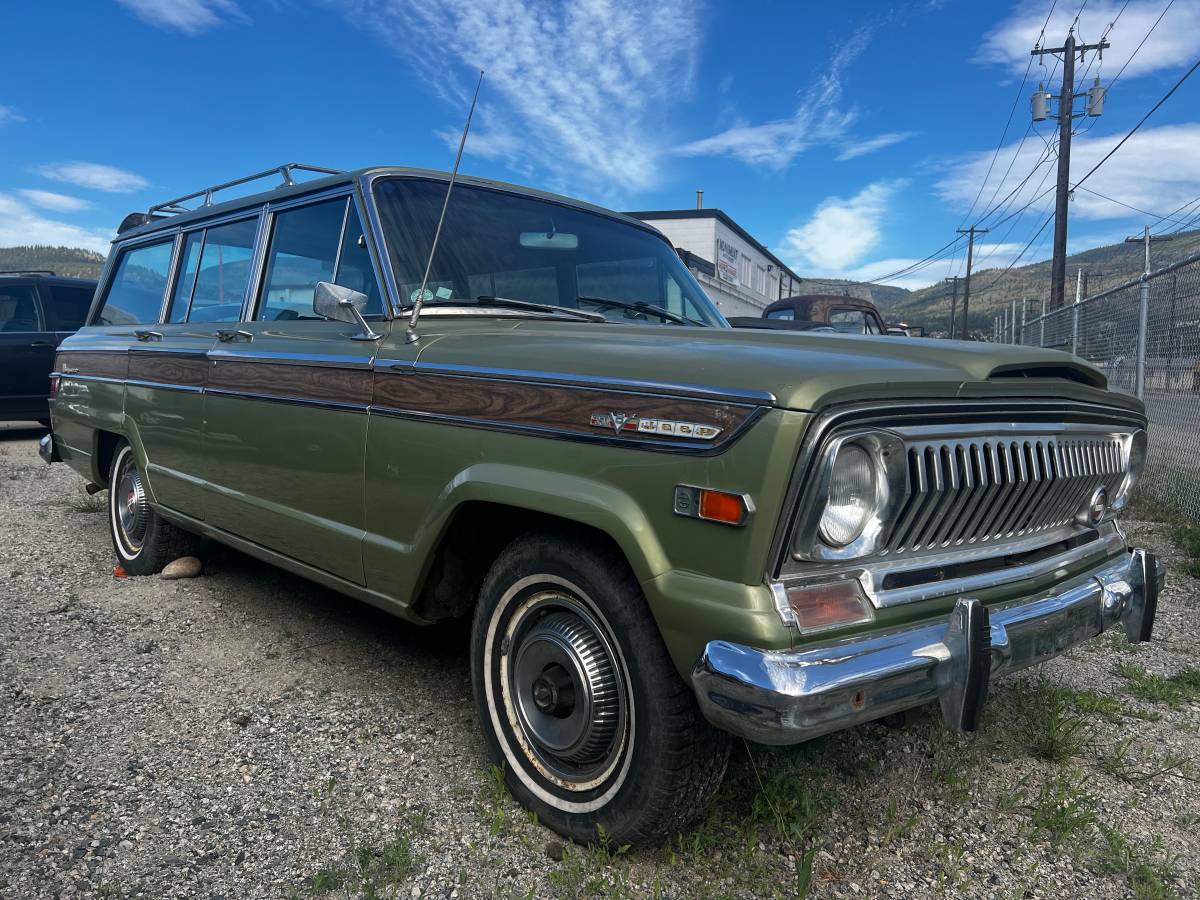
(496, 244)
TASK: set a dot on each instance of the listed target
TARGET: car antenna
(412, 337)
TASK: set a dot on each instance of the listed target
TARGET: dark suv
(37, 310)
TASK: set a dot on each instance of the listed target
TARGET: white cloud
(578, 89)
(855, 149)
(53, 201)
(841, 232)
(94, 175)
(20, 225)
(820, 118)
(188, 16)
(9, 116)
(1175, 41)
(1157, 170)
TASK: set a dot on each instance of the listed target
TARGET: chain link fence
(1145, 336)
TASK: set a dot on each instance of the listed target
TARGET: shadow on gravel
(20, 431)
(345, 619)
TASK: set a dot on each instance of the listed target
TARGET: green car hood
(801, 371)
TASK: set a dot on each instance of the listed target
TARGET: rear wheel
(579, 700)
(143, 540)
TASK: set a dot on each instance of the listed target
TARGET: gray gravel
(247, 734)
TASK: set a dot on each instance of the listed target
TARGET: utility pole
(1066, 122)
(1143, 308)
(970, 232)
(953, 304)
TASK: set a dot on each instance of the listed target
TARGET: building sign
(727, 261)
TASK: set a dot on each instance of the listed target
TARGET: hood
(801, 371)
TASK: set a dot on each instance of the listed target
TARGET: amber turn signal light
(829, 605)
(711, 505)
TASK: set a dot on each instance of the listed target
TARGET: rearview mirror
(549, 240)
(332, 301)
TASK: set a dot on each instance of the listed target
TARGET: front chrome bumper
(790, 696)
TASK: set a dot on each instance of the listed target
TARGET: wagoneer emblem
(621, 423)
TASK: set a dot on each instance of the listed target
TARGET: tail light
(53, 386)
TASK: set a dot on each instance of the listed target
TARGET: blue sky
(851, 138)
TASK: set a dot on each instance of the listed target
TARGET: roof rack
(49, 272)
(174, 207)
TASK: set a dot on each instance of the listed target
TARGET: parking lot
(248, 734)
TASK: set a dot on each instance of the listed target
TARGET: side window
(223, 273)
(18, 310)
(848, 321)
(185, 281)
(135, 293)
(70, 306)
(785, 313)
(303, 250)
(874, 326)
(354, 265)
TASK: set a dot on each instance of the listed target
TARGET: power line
(1145, 38)
(1141, 122)
(1176, 212)
(1166, 218)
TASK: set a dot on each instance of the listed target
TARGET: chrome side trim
(692, 448)
(295, 401)
(74, 376)
(163, 386)
(297, 359)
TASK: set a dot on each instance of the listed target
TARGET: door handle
(41, 345)
(145, 335)
(229, 337)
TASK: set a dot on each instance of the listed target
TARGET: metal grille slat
(989, 489)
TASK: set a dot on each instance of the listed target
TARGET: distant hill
(69, 261)
(1104, 267)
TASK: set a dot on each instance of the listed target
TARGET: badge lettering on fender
(621, 423)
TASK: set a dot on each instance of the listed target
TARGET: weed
(586, 871)
(1121, 763)
(1170, 690)
(1148, 880)
(1047, 723)
(329, 879)
(88, 503)
(1062, 809)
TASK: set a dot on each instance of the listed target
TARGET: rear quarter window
(135, 293)
(69, 306)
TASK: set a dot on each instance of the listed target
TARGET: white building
(739, 274)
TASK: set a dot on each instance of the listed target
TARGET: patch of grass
(592, 870)
(1188, 538)
(1171, 690)
(329, 879)
(1148, 879)
(1062, 810)
(1047, 722)
(494, 805)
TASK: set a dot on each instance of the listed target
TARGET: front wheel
(143, 540)
(579, 701)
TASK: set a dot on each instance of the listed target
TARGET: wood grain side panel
(545, 406)
(108, 364)
(167, 368)
(292, 382)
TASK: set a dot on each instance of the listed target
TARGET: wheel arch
(491, 505)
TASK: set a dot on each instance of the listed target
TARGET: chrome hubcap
(568, 690)
(131, 507)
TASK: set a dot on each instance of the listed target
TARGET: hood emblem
(622, 423)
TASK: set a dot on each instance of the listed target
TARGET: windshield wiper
(529, 305)
(643, 307)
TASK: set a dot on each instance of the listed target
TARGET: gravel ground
(247, 734)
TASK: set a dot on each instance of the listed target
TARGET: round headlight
(853, 496)
(1134, 467)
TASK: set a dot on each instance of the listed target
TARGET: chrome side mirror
(332, 301)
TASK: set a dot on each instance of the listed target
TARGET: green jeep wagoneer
(666, 531)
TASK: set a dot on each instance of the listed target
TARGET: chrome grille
(978, 490)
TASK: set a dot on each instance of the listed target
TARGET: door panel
(26, 354)
(286, 424)
(164, 399)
